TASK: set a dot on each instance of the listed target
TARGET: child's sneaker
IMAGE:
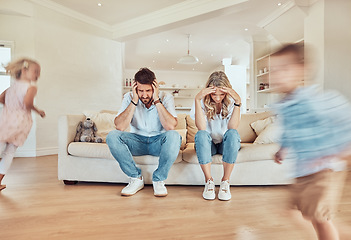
(224, 191)
(133, 186)
(209, 191)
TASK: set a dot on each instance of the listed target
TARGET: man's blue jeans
(125, 145)
(206, 148)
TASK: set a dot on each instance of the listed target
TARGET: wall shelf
(262, 73)
(183, 108)
(265, 91)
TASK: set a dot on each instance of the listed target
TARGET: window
(6, 49)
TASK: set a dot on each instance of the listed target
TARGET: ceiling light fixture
(188, 59)
(99, 4)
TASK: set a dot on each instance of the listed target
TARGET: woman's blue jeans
(206, 148)
(125, 145)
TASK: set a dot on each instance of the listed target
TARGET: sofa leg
(70, 182)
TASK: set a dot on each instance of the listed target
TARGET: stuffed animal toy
(86, 132)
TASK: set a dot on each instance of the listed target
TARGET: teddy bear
(86, 132)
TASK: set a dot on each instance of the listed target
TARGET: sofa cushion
(191, 129)
(101, 150)
(249, 152)
(257, 152)
(245, 131)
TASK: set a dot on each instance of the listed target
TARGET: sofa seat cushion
(248, 153)
(101, 150)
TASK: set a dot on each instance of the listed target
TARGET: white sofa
(93, 162)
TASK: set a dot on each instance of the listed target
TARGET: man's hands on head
(135, 96)
(156, 89)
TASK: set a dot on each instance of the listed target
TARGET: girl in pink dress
(16, 118)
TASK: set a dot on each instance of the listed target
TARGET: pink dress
(15, 120)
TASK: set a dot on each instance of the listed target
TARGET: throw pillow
(247, 134)
(181, 121)
(259, 125)
(192, 129)
(109, 111)
(104, 122)
(270, 134)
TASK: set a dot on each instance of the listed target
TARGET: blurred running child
(317, 130)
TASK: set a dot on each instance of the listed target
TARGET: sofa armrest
(67, 126)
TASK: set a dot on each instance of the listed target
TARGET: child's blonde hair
(15, 68)
(217, 79)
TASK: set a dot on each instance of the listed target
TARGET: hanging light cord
(188, 44)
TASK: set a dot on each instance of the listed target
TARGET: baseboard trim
(36, 153)
(25, 153)
(47, 151)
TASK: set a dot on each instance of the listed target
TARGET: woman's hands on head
(232, 93)
(204, 92)
(209, 90)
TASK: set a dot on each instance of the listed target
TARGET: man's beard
(146, 101)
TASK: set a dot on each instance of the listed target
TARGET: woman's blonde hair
(217, 79)
(15, 68)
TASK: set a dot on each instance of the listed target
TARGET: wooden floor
(35, 205)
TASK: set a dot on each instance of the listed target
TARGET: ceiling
(155, 31)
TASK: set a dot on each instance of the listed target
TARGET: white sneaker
(133, 186)
(159, 189)
(224, 191)
(209, 191)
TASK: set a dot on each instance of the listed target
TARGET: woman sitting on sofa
(216, 112)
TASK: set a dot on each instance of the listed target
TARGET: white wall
(237, 77)
(314, 40)
(337, 41)
(81, 68)
(330, 39)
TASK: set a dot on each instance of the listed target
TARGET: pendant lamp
(188, 59)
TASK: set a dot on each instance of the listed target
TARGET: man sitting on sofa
(152, 118)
